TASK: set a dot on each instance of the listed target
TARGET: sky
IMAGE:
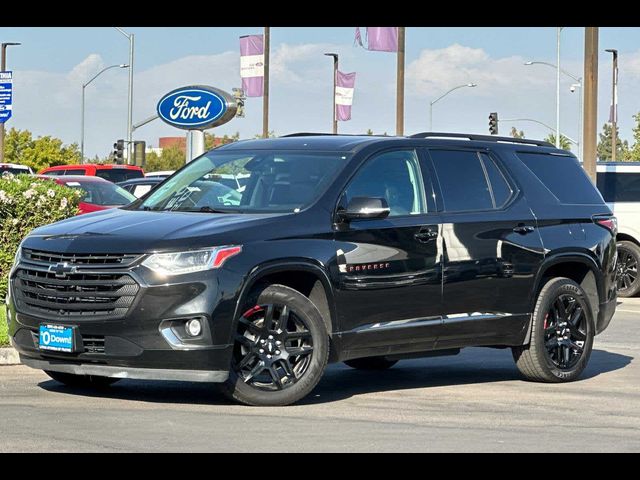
(52, 64)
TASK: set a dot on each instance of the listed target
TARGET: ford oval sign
(197, 107)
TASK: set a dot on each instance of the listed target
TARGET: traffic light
(118, 151)
(240, 97)
(139, 153)
(493, 123)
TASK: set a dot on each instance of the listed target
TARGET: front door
(388, 285)
(492, 250)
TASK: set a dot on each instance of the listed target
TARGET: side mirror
(361, 208)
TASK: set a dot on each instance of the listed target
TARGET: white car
(619, 183)
(160, 173)
(15, 169)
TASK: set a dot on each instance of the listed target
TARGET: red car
(99, 194)
(113, 173)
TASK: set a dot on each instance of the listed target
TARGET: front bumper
(215, 376)
(146, 343)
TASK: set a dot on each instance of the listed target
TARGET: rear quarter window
(563, 176)
(116, 175)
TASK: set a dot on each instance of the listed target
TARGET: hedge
(27, 203)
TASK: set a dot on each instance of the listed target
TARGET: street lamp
(3, 66)
(578, 84)
(470, 85)
(335, 80)
(84, 85)
(130, 100)
(614, 104)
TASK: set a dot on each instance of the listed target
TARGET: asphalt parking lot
(475, 401)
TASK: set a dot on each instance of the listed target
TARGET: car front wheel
(281, 349)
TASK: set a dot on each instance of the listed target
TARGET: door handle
(523, 229)
(426, 235)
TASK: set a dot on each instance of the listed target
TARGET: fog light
(194, 327)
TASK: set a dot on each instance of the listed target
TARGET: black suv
(359, 249)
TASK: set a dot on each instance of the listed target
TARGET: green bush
(27, 203)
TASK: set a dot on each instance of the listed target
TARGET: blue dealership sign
(197, 107)
(6, 96)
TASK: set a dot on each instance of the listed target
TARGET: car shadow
(472, 366)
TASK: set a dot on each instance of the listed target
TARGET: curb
(9, 356)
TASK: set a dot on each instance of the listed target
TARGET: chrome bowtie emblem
(62, 269)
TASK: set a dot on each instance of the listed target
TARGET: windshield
(99, 193)
(248, 181)
(13, 170)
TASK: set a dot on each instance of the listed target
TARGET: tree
(210, 142)
(565, 144)
(516, 134)
(604, 145)
(172, 158)
(272, 134)
(369, 131)
(39, 153)
(633, 154)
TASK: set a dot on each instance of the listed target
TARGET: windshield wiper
(207, 209)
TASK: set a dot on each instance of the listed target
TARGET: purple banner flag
(382, 39)
(344, 95)
(252, 65)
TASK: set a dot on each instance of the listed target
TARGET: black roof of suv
(362, 249)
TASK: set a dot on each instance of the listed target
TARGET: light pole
(559, 29)
(3, 66)
(335, 79)
(578, 84)
(614, 104)
(130, 100)
(84, 85)
(470, 85)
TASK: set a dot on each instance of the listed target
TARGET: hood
(133, 231)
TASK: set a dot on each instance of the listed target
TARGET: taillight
(610, 223)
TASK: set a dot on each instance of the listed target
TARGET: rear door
(492, 249)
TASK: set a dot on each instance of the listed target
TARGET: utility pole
(559, 30)
(614, 104)
(265, 93)
(590, 100)
(400, 83)
(3, 67)
(131, 37)
(335, 80)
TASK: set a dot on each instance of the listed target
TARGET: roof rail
(484, 138)
(320, 134)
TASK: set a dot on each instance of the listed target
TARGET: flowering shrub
(27, 203)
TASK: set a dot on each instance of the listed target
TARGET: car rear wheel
(83, 381)
(562, 333)
(371, 363)
(281, 349)
(627, 278)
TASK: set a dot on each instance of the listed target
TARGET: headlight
(18, 256)
(177, 263)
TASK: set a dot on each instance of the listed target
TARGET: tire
(304, 324)
(548, 356)
(371, 363)
(81, 381)
(627, 278)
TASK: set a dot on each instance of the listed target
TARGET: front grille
(40, 257)
(76, 295)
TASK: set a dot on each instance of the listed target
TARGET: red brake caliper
(546, 317)
(252, 310)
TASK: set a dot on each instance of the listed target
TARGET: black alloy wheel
(273, 347)
(565, 331)
(280, 351)
(627, 279)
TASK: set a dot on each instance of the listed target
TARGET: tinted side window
(499, 186)
(462, 180)
(619, 187)
(74, 172)
(563, 176)
(394, 176)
